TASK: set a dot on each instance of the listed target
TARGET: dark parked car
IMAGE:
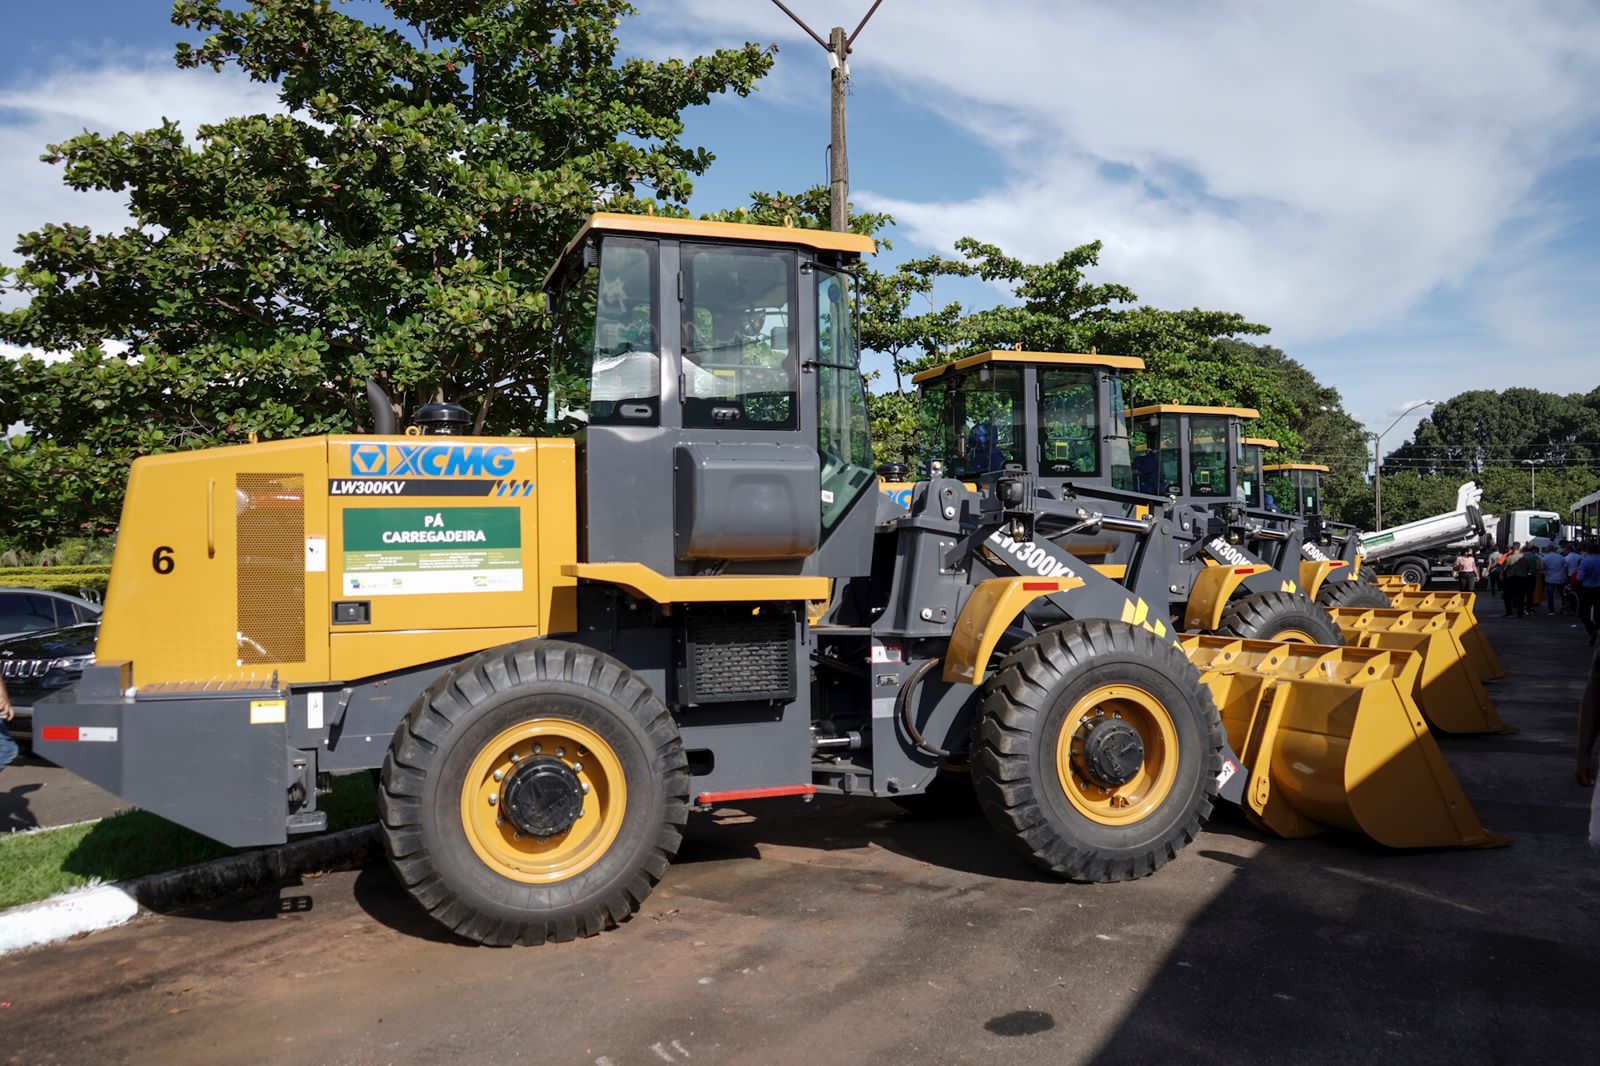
(32, 610)
(37, 664)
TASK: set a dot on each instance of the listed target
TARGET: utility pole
(1377, 463)
(838, 47)
(838, 157)
(1533, 481)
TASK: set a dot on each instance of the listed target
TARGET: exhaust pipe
(383, 421)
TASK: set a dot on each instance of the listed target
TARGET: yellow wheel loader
(554, 647)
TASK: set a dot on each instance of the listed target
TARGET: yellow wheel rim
(543, 860)
(1293, 636)
(1139, 797)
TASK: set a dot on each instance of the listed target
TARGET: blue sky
(1407, 192)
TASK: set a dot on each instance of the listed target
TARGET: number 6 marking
(161, 560)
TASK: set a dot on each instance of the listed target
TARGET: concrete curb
(87, 910)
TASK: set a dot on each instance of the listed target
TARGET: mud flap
(1334, 740)
(214, 764)
(1449, 693)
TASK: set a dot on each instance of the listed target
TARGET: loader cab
(1295, 488)
(710, 374)
(1192, 453)
(1252, 477)
(1058, 415)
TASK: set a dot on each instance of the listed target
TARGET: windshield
(842, 434)
(1310, 493)
(970, 421)
(1543, 526)
(1117, 438)
(1156, 460)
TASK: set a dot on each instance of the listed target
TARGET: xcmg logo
(430, 460)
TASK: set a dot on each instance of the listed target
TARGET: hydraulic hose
(902, 703)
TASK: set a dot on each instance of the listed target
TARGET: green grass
(56, 578)
(37, 865)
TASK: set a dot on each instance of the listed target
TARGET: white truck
(1418, 550)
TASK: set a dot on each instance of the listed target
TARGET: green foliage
(396, 223)
(69, 579)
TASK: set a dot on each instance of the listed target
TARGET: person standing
(8, 747)
(1554, 565)
(1466, 570)
(1589, 589)
(1513, 579)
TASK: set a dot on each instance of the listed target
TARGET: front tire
(1335, 594)
(534, 792)
(1098, 751)
(1289, 617)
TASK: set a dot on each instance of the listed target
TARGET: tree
(396, 222)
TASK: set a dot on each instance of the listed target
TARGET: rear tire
(1282, 616)
(595, 782)
(1413, 572)
(1035, 779)
(1336, 594)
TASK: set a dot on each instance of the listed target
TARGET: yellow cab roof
(698, 229)
(1115, 362)
(1191, 409)
(1261, 442)
(1275, 467)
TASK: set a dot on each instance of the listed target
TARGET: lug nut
(561, 753)
(494, 797)
(517, 758)
(585, 786)
(499, 775)
(537, 748)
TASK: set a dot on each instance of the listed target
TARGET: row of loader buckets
(1450, 679)
(1333, 739)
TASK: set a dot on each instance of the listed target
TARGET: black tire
(948, 795)
(1336, 594)
(456, 724)
(1292, 616)
(1413, 571)
(1024, 707)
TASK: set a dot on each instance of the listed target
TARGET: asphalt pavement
(35, 793)
(850, 932)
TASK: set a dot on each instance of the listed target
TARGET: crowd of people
(1564, 576)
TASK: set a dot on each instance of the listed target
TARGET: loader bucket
(1480, 656)
(1393, 583)
(1333, 740)
(1449, 693)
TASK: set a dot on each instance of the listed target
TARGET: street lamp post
(1377, 462)
(1533, 480)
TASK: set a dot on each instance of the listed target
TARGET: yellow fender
(1213, 587)
(1314, 572)
(1333, 739)
(1448, 692)
(993, 605)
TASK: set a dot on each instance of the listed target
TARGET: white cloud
(1326, 169)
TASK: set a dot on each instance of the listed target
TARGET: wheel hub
(542, 797)
(1113, 752)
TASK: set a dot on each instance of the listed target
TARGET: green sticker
(430, 550)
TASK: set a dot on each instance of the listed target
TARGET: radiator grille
(747, 658)
(271, 568)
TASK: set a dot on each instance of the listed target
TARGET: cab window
(607, 369)
(739, 366)
(1069, 423)
(971, 423)
(842, 433)
(1208, 456)
(1156, 456)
